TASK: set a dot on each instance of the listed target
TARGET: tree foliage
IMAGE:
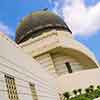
(90, 93)
(67, 95)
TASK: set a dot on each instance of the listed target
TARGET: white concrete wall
(40, 44)
(55, 63)
(58, 39)
(61, 42)
(25, 69)
(71, 43)
(81, 79)
(47, 63)
(60, 59)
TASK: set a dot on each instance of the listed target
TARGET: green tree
(80, 91)
(67, 95)
(87, 90)
(91, 88)
(98, 87)
(75, 92)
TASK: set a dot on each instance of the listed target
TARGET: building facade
(21, 77)
(46, 61)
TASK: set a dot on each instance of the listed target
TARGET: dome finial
(45, 9)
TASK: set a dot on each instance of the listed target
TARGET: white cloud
(82, 19)
(6, 30)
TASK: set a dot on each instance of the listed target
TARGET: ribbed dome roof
(38, 21)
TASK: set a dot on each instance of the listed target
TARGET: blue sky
(12, 11)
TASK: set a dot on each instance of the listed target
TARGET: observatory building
(45, 61)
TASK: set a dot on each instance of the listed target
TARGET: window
(11, 87)
(68, 67)
(33, 91)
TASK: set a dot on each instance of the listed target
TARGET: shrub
(67, 95)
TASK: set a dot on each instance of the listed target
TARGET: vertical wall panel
(24, 69)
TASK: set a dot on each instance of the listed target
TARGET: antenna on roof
(45, 9)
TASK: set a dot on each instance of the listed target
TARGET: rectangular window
(11, 87)
(33, 91)
(69, 67)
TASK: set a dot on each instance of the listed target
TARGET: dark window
(68, 67)
(11, 87)
(33, 91)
